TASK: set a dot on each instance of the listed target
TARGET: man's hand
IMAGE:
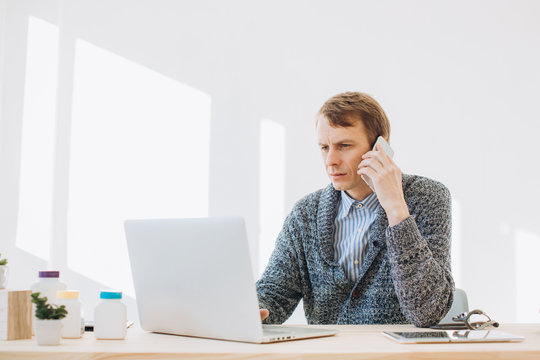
(386, 178)
(264, 314)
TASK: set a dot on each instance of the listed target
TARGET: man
(356, 255)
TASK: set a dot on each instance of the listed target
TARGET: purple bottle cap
(49, 274)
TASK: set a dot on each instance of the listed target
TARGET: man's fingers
(378, 154)
(264, 314)
(373, 163)
(366, 170)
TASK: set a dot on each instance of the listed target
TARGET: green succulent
(46, 311)
(2, 261)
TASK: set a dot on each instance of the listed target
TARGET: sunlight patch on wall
(139, 149)
(271, 187)
(527, 246)
(456, 250)
(34, 224)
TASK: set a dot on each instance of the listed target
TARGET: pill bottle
(73, 322)
(110, 316)
(47, 285)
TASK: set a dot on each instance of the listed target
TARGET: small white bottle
(110, 316)
(47, 285)
(73, 322)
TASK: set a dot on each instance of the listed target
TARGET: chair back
(460, 305)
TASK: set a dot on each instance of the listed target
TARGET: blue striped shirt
(351, 236)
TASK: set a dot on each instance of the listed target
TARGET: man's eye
(345, 145)
(324, 148)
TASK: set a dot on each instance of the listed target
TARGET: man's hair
(343, 110)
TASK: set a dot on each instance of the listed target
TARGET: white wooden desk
(353, 342)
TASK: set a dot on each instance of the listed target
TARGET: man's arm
(279, 288)
(420, 261)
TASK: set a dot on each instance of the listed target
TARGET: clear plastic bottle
(73, 322)
(110, 316)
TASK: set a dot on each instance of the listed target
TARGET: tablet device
(451, 336)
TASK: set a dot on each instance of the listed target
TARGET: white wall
(2, 46)
(459, 81)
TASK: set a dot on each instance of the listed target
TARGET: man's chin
(338, 186)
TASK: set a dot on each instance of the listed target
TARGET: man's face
(342, 149)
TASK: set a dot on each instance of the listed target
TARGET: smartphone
(386, 148)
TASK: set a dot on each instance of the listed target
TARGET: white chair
(460, 305)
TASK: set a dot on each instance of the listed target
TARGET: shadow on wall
(129, 130)
(24, 271)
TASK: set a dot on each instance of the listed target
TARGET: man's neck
(360, 194)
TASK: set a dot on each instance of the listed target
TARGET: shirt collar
(370, 203)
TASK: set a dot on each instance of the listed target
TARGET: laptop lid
(194, 277)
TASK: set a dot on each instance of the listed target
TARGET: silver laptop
(193, 277)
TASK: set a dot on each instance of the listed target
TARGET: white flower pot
(3, 276)
(48, 332)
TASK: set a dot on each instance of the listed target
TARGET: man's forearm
(278, 289)
(279, 301)
(422, 279)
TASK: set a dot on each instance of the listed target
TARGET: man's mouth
(337, 175)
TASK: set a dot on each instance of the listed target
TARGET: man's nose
(332, 158)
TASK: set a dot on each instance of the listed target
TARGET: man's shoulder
(319, 198)
(313, 211)
(420, 186)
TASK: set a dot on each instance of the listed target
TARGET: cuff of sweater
(402, 238)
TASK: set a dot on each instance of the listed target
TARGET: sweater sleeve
(419, 253)
(279, 289)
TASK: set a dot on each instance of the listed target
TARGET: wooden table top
(353, 342)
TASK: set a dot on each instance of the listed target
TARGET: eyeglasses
(475, 320)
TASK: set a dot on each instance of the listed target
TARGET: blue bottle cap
(110, 295)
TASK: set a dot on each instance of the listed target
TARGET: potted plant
(48, 325)
(3, 272)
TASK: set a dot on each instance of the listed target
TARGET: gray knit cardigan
(404, 278)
